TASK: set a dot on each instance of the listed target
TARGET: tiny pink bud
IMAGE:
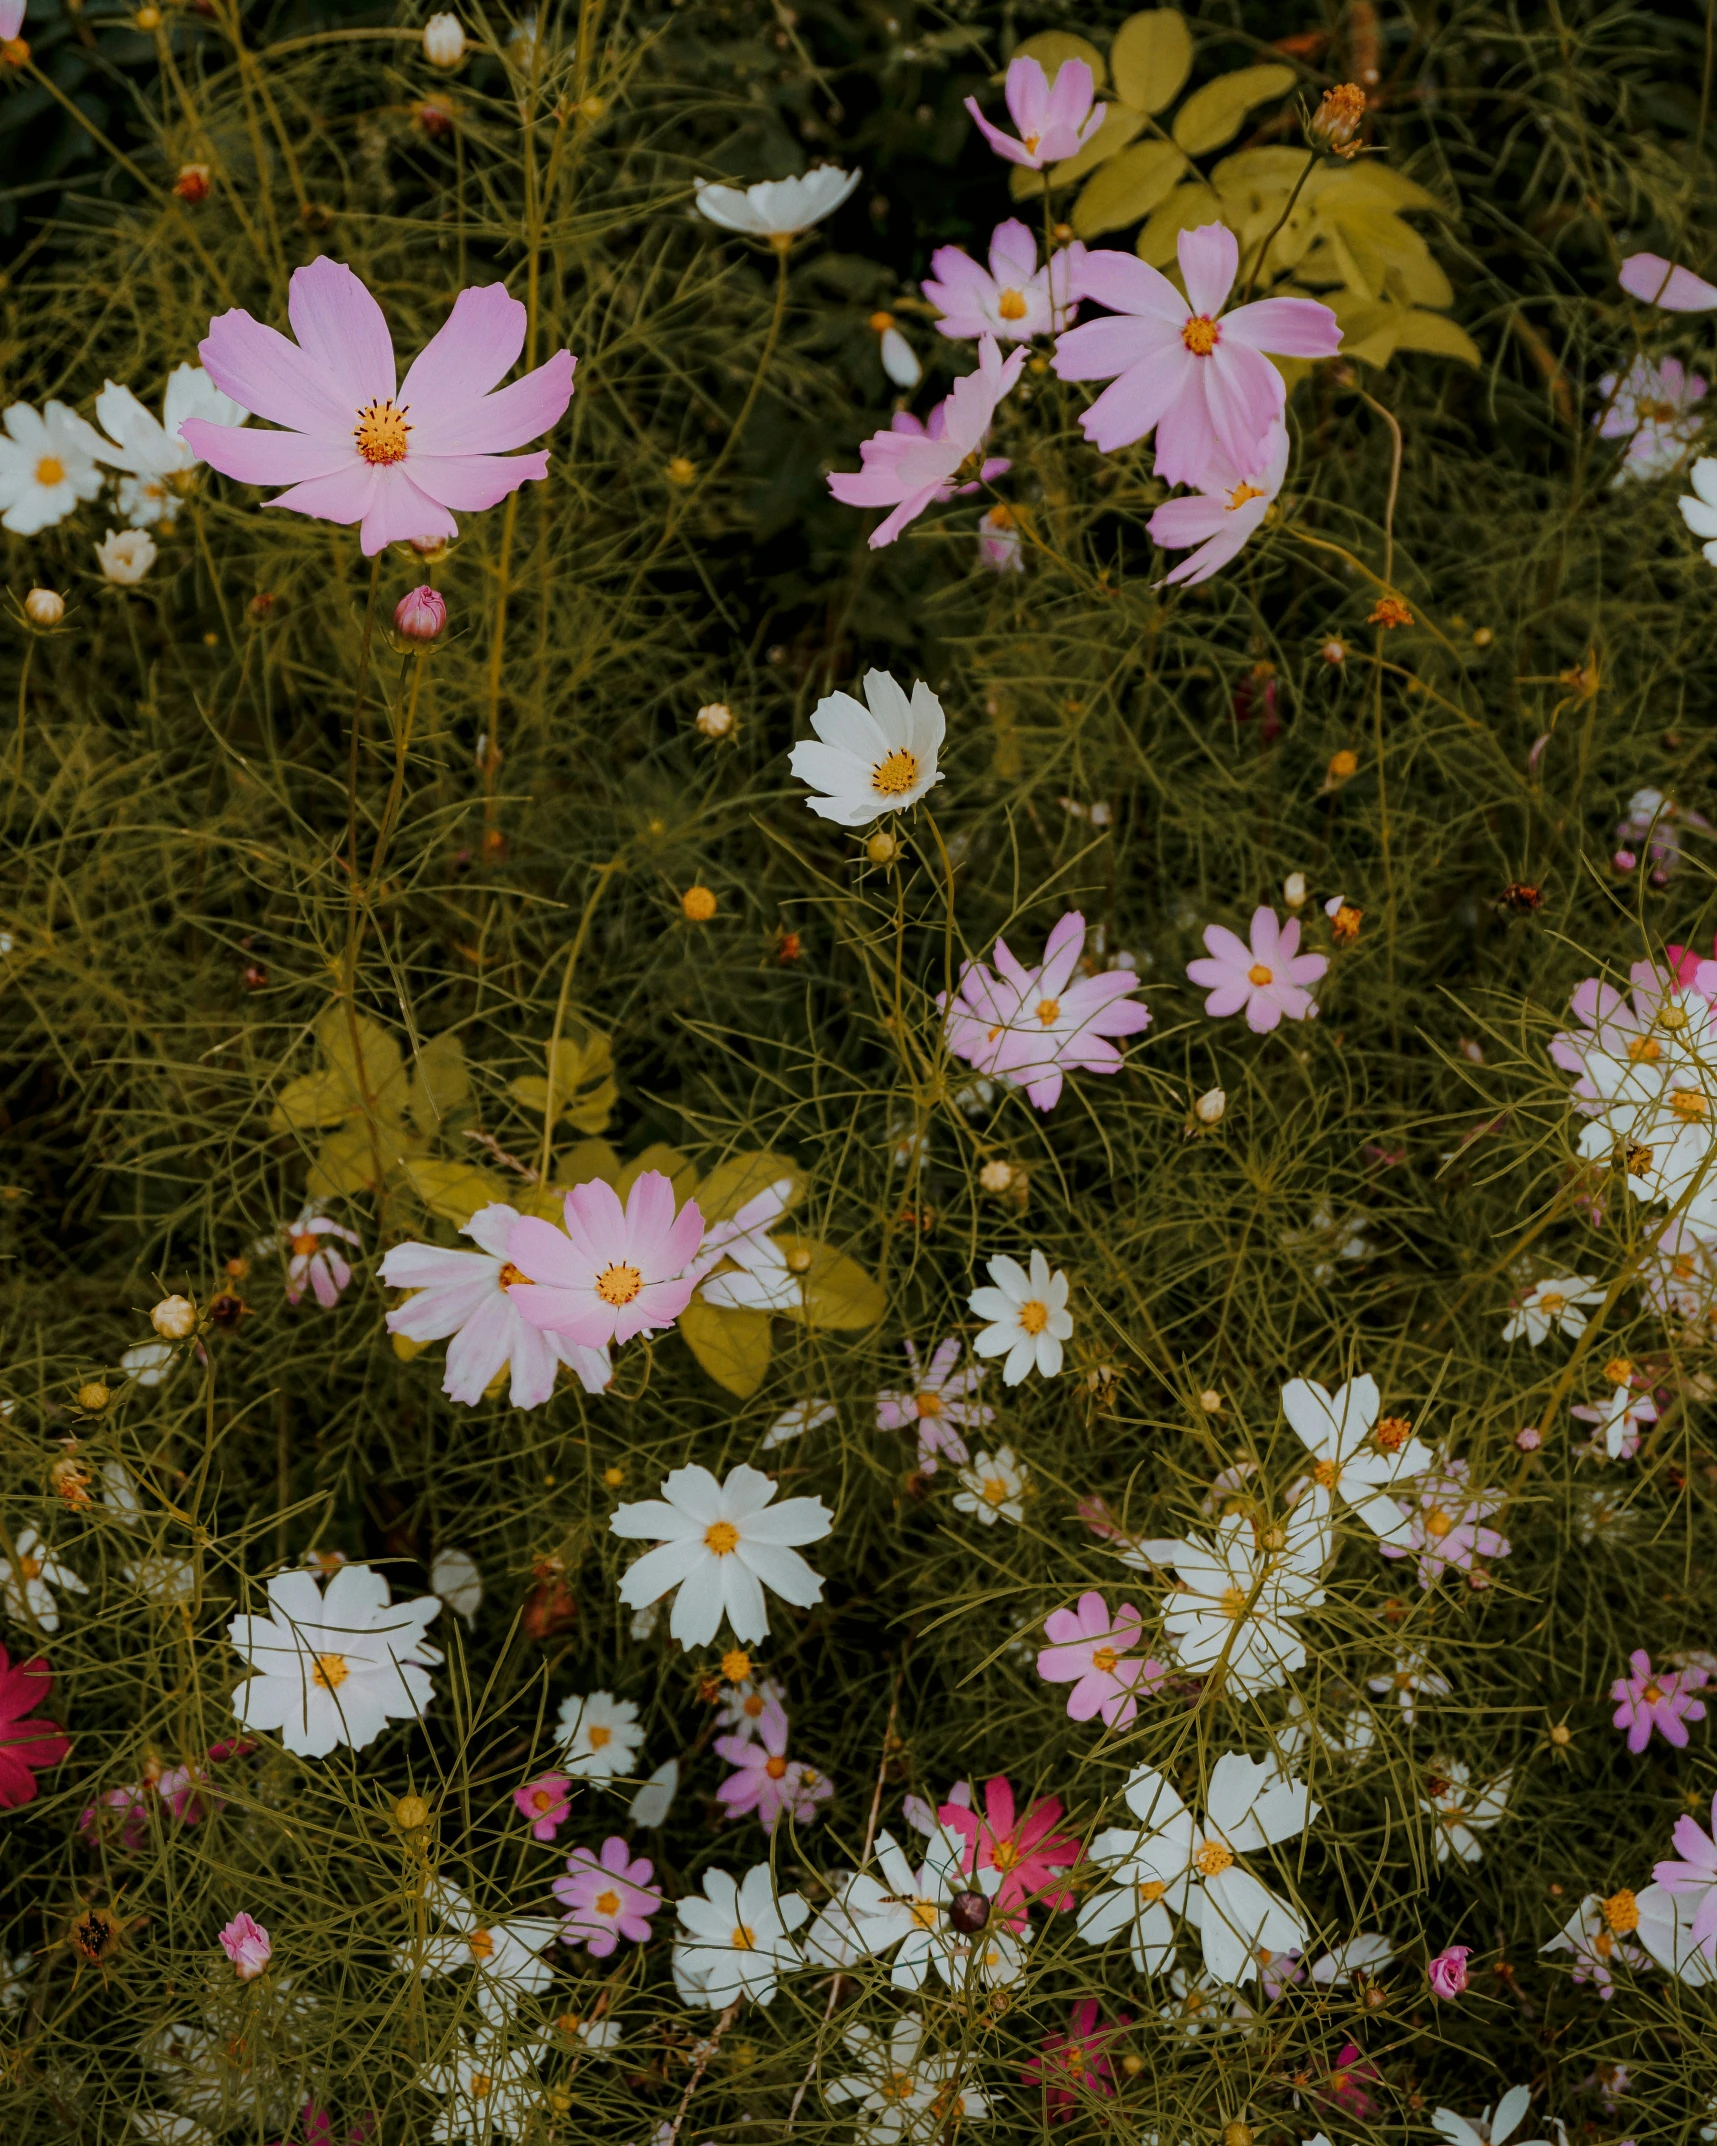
(421, 615)
(1448, 1971)
(246, 1943)
(1529, 1438)
(1624, 860)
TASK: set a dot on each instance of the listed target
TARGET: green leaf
(336, 1091)
(579, 1083)
(455, 1190)
(730, 1184)
(1184, 210)
(1369, 331)
(1437, 336)
(1052, 48)
(1213, 115)
(439, 1082)
(839, 1294)
(1151, 58)
(346, 1163)
(1118, 128)
(1128, 187)
(732, 1346)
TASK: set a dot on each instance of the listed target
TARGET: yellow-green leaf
(673, 1165)
(1437, 335)
(1151, 58)
(343, 1036)
(312, 1099)
(732, 1346)
(584, 1160)
(1128, 187)
(1213, 115)
(839, 1294)
(1185, 209)
(730, 1184)
(439, 1082)
(579, 1085)
(1053, 48)
(1118, 128)
(345, 1163)
(455, 1190)
(1368, 331)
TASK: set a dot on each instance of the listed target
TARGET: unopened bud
(1238, 2134)
(443, 41)
(430, 549)
(1210, 1401)
(1528, 1438)
(996, 1176)
(882, 848)
(92, 1397)
(421, 615)
(192, 184)
(968, 1912)
(174, 1318)
(715, 719)
(410, 1812)
(1343, 766)
(698, 904)
(1294, 890)
(1210, 1107)
(1334, 653)
(683, 471)
(44, 607)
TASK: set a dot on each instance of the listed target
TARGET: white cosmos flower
(336, 1667)
(488, 2089)
(1490, 2129)
(721, 1548)
(125, 556)
(1349, 1460)
(599, 1736)
(1236, 1592)
(992, 1487)
(47, 464)
(778, 209)
(904, 2091)
(1666, 1932)
(453, 1575)
(1699, 511)
(1363, 1954)
(1460, 1810)
(28, 1581)
(870, 759)
(1411, 1677)
(156, 460)
(506, 1954)
(163, 1580)
(651, 1805)
(1028, 1314)
(904, 1911)
(1553, 1305)
(147, 1363)
(759, 1278)
(737, 1938)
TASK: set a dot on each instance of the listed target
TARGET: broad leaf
(1214, 114)
(683, 1175)
(1118, 128)
(586, 1159)
(730, 1184)
(1184, 210)
(439, 1083)
(839, 1294)
(1151, 58)
(732, 1346)
(1128, 187)
(456, 1190)
(1437, 335)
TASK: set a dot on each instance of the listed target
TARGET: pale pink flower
(765, 1780)
(1224, 512)
(314, 1261)
(1695, 1876)
(1656, 409)
(1268, 978)
(1031, 1026)
(546, 1802)
(1053, 121)
(607, 1897)
(1447, 1973)
(1661, 283)
(11, 19)
(119, 1816)
(1013, 299)
(246, 1943)
(1201, 380)
(1617, 1422)
(1445, 1522)
(615, 1271)
(360, 446)
(907, 473)
(1000, 545)
(1091, 1650)
(936, 428)
(940, 1405)
(1663, 1702)
(746, 1706)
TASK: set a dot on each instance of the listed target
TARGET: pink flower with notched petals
(1092, 1651)
(546, 1802)
(1268, 978)
(1031, 1026)
(906, 472)
(614, 1271)
(1220, 517)
(314, 1261)
(1198, 375)
(1695, 1873)
(765, 1780)
(1445, 1517)
(1054, 120)
(1663, 1702)
(1075, 2063)
(1013, 299)
(607, 1897)
(359, 445)
(940, 1405)
(1025, 1850)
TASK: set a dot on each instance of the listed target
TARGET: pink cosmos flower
(1278, 1971)
(1622, 1027)
(546, 1803)
(1661, 283)
(941, 1398)
(314, 1261)
(1224, 513)
(907, 473)
(1053, 122)
(1031, 1026)
(120, 1816)
(1203, 382)
(766, 1780)
(1092, 1651)
(11, 19)
(246, 1943)
(1444, 1516)
(1447, 1973)
(615, 1271)
(359, 446)
(1026, 1852)
(1076, 2062)
(315, 2127)
(1695, 1873)
(745, 1707)
(1664, 1702)
(1656, 409)
(1000, 546)
(1013, 299)
(1347, 2080)
(1616, 1423)
(915, 428)
(606, 1897)
(1267, 978)
(1592, 1935)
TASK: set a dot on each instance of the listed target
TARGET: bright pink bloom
(907, 473)
(1444, 1522)
(1031, 1026)
(1013, 299)
(941, 1399)
(1203, 382)
(120, 1816)
(247, 1944)
(1053, 122)
(1664, 1702)
(545, 1803)
(1662, 283)
(615, 1271)
(1076, 2062)
(1447, 1973)
(1027, 1853)
(313, 1260)
(1347, 2080)
(915, 428)
(1695, 1873)
(606, 1897)
(360, 446)
(765, 1779)
(1219, 517)
(1267, 978)
(27, 1747)
(1092, 1651)
(421, 615)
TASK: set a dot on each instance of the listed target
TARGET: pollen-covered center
(722, 1537)
(1048, 1012)
(1201, 335)
(607, 1903)
(510, 1274)
(1232, 1603)
(50, 470)
(1258, 976)
(1005, 1854)
(1326, 1473)
(995, 1490)
(619, 1283)
(1688, 1104)
(1104, 1659)
(925, 1914)
(330, 1672)
(744, 1938)
(306, 1244)
(928, 1404)
(1243, 492)
(1011, 305)
(775, 1767)
(1213, 1858)
(482, 2085)
(481, 1944)
(598, 1735)
(896, 775)
(381, 433)
(1033, 1315)
(1437, 1523)
(1620, 1911)
(1151, 1890)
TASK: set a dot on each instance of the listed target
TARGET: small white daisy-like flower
(794, 1422)
(506, 1954)
(737, 1938)
(125, 556)
(334, 1667)
(489, 2087)
(157, 462)
(1412, 1679)
(778, 209)
(1462, 1809)
(871, 759)
(1556, 1304)
(721, 1545)
(1488, 2129)
(599, 1736)
(993, 1487)
(47, 464)
(1028, 1314)
(27, 1581)
(453, 1575)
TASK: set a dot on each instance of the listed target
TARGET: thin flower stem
(604, 873)
(1311, 165)
(23, 707)
(702, 2065)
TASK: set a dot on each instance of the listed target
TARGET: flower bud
(1334, 653)
(968, 1912)
(44, 607)
(174, 1318)
(443, 41)
(1294, 890)
(996, 1176)
(1210, 1401)
(248, 1945)
(882, 848)
(715, 720)
(430, 549)
(1625, 860)
(192, 184)
(410, 1812)
(1448, 1971)
(1343, 766)
(683, 471)
(1528, 1438)
(1336, 123)
(699, 904)
(1209, 1108)
(421, 615)
(92, 1397)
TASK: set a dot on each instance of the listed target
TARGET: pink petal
(1186, 440)
(649, 1216)
(257, 457)
(1292, 327)
(1013, 255)
(399, 510)
(511, 417)
(344, 497)
(908, 510)
(1244, 395)
(1662, 283)
(341, 328)
(1003, 144)
(543, 1252)
(1180, 522)
(473, 350)
(1126, 285)
(1209, 260)
(1143, 395)
(1028, 95)
(471, 482)
(1069, 96)
(1099, 349)
(273, 378)
(1227, 947)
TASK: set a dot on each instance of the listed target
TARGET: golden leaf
(838, 1293)
(1437, 335)
(362, 1068)
(1118, 128)
(680, 1173)
(586, 1159)
(579, 1083)
(1128, 187)
(1184, 210)
(1052, 48)
(438, 1082)
(1213, 115)
(732, 1346)
(1150, 59)
(730, 1184)
(455, 1190)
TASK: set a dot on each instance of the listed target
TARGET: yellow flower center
(1241, 493)
(1074, 2059)
(1151, 1890)
(50, 470)
(1326, 1473)
(1011, 305)
(896, 775)
(743, 1939)
(897, 2086)
(1437, 1523)
(736, 1665)
(331, 1671)
(1201, 335)
(723, 1538)
(1005, 1854)
(380, 433)
(1048, 1012)
(753, 1705)
(929, 1404)
(482, 1945)
(1681, 1266)
(619, 1283)
(1033, 1315)
(995, 1490)
(925, 1914)
(1552, 1301)
(541, 1800)
(1619, 1370)
(510, 1274)
(481, 2085)
(775, 1767)
(1029, 142)
(1232, 1603)
(1214, 1857)
(1652, 1694)
(1688, 1104)
(1104, 1659)
(306, 1245)
(1620, 1911)
(607, 1903)
(1603, 1944)
(30, 1568)
(1646, 1047)
(597, 1735)
(1258, 976)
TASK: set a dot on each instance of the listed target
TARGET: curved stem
(604, 873)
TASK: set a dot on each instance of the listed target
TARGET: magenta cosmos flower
(1663, 283)
(1092, 1651)
(607, 1897)
(907, 472)
(1445, 1522)
(1221, 515)
(1202, 381)
(916, 428)
(546, 1802)
(766, 1780)
(359, 445)
(1025, 1850)
(1663, 1702)
(941, 1404)
(615, 1271)
(1054, 121)
(27, 1747)
(1013, 299)
(1076, 2062)
(1267, 979)
(1031, 1026)
(314, 1260)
